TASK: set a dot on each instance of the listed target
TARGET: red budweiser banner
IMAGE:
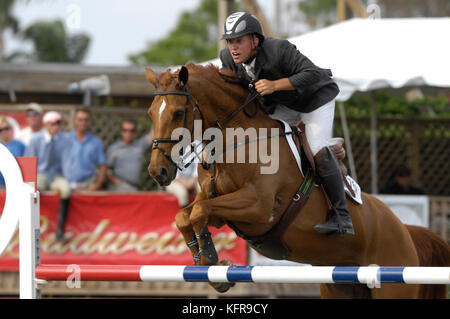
(122, 229)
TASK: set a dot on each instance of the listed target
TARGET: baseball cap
(51, 117)
(35, 107)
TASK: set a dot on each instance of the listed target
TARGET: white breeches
(59, 185)
(318, 123)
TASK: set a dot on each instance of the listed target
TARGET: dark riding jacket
(278, 58)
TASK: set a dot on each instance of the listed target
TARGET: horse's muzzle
(162, 175)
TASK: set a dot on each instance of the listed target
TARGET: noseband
(157, 141)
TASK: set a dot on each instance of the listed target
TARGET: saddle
(336, 144)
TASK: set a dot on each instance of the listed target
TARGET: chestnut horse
(253, 202)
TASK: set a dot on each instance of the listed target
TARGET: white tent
(369, 54)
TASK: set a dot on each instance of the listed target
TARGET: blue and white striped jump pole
(373, 276)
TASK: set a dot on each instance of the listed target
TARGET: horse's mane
(223, 78)
(206, 76)
(211, 71)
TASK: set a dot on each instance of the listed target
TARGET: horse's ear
(151, 76)
(183, 76)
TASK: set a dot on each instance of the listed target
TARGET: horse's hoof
(223, 286)
(224, 262)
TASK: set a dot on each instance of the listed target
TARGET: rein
(250, 97)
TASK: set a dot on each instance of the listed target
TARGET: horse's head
(174, 109)
(168, 112)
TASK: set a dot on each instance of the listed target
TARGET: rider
(293, 89)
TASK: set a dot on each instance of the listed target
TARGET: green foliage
(52, 44)
(318, 11)
(193, 39)
(388, 105)
(7, 20)
(317, 7)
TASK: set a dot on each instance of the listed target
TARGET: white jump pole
(21, 209)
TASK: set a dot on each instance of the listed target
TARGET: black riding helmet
(242, 23)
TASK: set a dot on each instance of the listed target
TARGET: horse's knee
(182, 221)
(198, 216)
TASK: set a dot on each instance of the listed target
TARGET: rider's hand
(265, 87)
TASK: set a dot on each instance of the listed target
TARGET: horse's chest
(221, 183)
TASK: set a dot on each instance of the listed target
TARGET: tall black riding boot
(63, 210)
(338, 221)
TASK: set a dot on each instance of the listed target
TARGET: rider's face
(242, 48)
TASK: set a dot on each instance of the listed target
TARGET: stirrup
(335, 227)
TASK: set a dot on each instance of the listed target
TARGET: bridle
(195, 106)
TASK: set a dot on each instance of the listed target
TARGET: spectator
(49, 146)
(125, 158)
(34, 120)
(17, 148)
(186, 181)
(401, 184)
(84, 163)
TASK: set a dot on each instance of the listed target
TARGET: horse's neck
(219, 108)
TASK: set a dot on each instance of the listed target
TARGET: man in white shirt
(34, 120)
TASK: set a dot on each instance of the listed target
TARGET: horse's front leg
(241, 206)
(184, 225)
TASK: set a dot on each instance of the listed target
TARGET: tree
(193, 39)
(319, 12)
(7, 20)
(52, 44)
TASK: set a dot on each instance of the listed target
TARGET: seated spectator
(186, 181)
(34, 120)
(16, 147)
(84, 163)
(125, 158)
(49, 146)
(401, 185)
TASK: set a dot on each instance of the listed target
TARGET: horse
(252, 203)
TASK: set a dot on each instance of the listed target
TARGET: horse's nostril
(163, 172)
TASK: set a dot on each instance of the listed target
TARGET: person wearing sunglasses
(125, 158)
(34, 114)
(16, 147)
(49, 145)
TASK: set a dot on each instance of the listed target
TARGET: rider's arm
(265, 87)
(303, 72)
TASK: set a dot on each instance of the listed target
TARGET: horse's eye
(178, 115)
